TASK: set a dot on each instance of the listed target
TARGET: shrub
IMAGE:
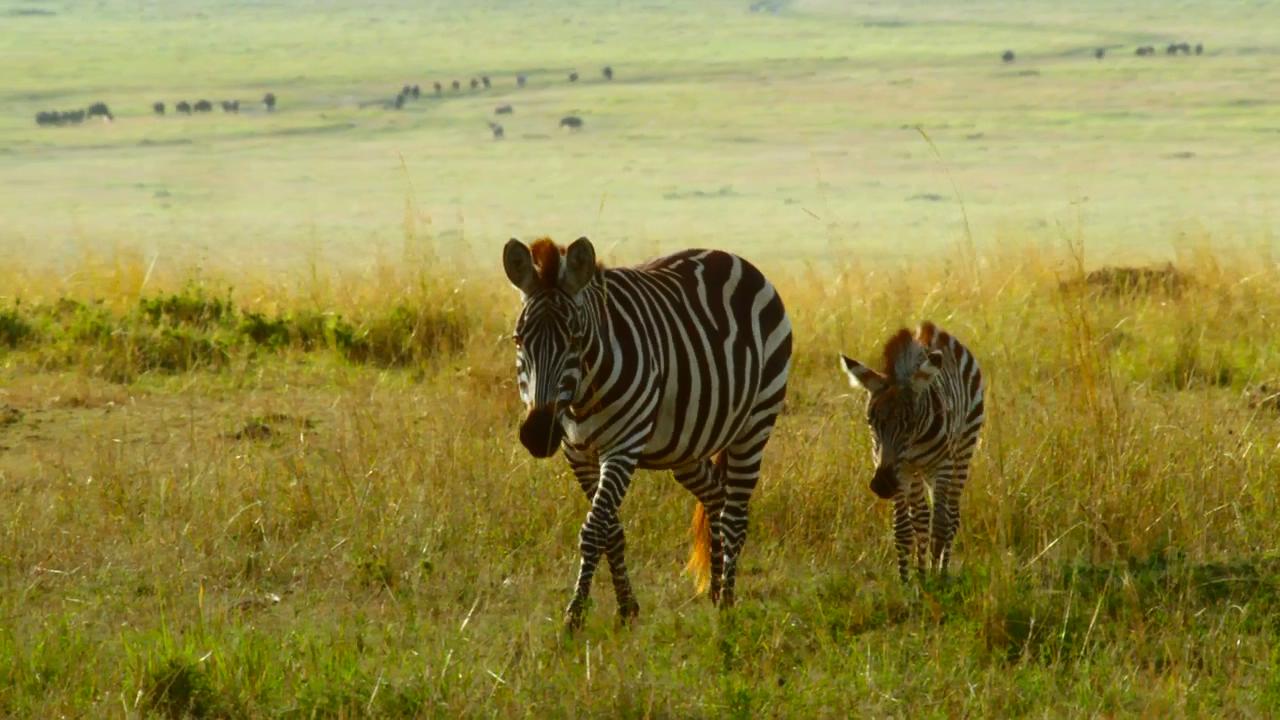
(14, 328)
(190, 306)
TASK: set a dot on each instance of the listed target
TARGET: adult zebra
(679, 364)
(925, 411)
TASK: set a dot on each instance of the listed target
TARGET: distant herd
(203, 106)
(409, 93)
(1182, 48)
(74, 117)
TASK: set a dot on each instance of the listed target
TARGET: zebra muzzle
(540, 433)
(885, 482)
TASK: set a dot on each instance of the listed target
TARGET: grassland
(257, 410)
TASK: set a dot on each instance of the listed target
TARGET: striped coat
(678, 364)
(925, 410)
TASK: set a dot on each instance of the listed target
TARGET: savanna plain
(258, 412)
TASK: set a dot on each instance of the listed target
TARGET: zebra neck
(597, 359)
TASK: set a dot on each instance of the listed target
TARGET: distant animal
(100, 109)
(269, 100)
(58, 118)
(231, 106)
(573, 77)
(157, 108)
(399, 101)
(457, 86)
(1100, 53)
(1007, 56)
(437, 87)
(503, 110)
(415, 91)
(1125, 281)
(1144, 51)
(203, 106)
(484, 79)
(607, 72)
(183, 107)
(681, 364)
(1184, 48)
(475, 83)
(406, 91)
(1172, 49)
(573, 122)
(925, 409)
(1199, 49)
(521, 80)
(498, 133)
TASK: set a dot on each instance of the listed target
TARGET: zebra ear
(518, 263)
(928, 371)
(862, 376)
(579, 266)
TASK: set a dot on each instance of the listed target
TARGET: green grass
(257, 404)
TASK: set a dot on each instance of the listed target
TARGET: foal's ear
(518, 263)
(579, 266)
(862, 376)
(928, 371)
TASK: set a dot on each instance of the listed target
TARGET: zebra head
(898, 407)
(549, 334)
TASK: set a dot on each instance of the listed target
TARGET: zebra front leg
(903, 533)
(616, 550)
(946, 512)
(918, 506)
(587, 470)
(598, 531)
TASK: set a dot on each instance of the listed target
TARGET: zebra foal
(679, 364)
(925, 410)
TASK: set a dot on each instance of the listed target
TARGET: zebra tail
(699, 565)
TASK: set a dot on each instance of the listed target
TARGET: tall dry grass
(298, 530)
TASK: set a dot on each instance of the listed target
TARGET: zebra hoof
(573, 616)
(628, 614)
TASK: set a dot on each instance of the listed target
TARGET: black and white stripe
(925, 410)
(677, 364)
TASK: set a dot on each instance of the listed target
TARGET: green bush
(407, 336)
(190, 306)
(14, 328)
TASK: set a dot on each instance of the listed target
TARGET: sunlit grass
(291, 530)
(257, 403)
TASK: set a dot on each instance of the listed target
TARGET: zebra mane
(903, 355)
(547, 261)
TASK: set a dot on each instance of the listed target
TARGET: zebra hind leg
(705, 480)
(742, 472)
